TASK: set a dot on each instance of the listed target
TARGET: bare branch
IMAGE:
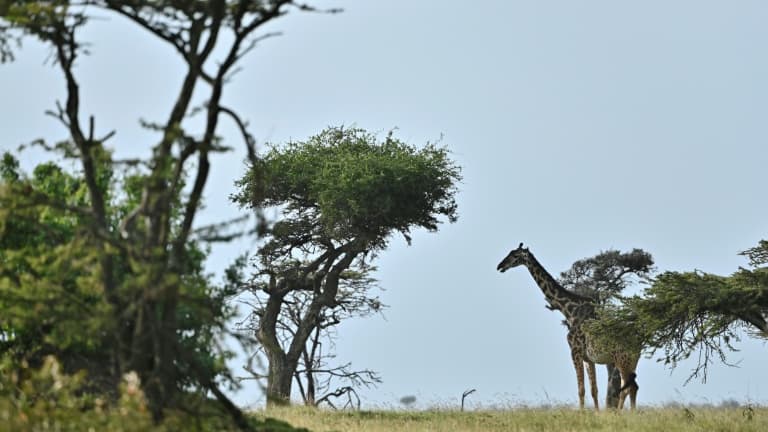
(130, 162)
(250, 142)
(253, 42)
(307, 8)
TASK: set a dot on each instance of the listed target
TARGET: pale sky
(580, 127)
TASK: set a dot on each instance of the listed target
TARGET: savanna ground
(529, 419)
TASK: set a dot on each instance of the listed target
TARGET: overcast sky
(580, 127)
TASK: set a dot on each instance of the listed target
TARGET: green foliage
(757, 255)
(343, 183)
(685, 312)
(46, 398)
(49, 399)
(617, 328)
(9, 168)
(51, 286)
(50, 295)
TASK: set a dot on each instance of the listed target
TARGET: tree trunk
(282, 364)
(310, 389)
(614, 384)
(279, 381)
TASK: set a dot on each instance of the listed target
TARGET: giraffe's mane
(574, 295)
(568, 293)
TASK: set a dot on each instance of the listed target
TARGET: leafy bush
(47, 399)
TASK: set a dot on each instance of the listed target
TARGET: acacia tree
(142, 254)
(342, 194)
(683, 313)
(604, 277)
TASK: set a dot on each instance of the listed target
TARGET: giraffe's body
(577, 310)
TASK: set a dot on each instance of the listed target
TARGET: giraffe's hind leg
(633, 396)
(632, 388)
(628, 387)
(592, 383)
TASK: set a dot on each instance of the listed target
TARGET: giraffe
(578, 309)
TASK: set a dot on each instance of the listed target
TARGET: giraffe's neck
(572, 305)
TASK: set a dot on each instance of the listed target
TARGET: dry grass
(651, 420)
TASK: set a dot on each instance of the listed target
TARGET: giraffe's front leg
(578, 364)
(592, 383)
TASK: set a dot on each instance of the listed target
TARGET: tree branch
(250, 142)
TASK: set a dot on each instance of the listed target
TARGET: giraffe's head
(515, 258)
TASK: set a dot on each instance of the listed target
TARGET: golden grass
(527, 419)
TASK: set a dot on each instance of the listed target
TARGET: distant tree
(604, 277)
(342, 194)
(687, 312)
(131, 250)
